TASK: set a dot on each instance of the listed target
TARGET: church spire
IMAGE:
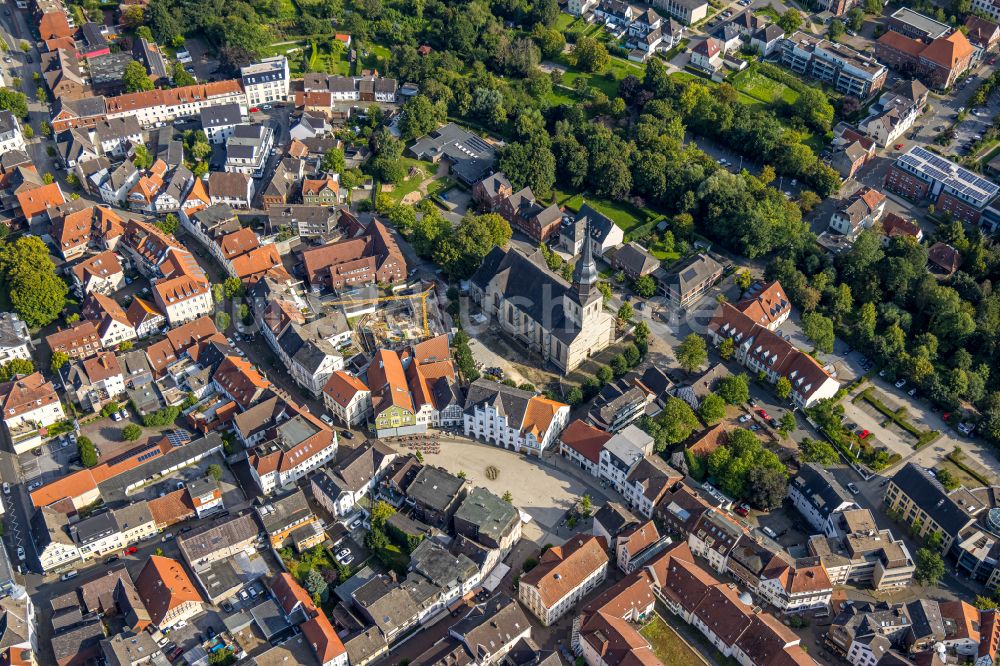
(585, 272)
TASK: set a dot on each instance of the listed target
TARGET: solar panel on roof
(935, 174)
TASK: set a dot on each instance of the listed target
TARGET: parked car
(769, 532)
(131, 550)
(912, 393)
(742, 509)
(34, 485)
(864, 434)
(762, 413)
(37, 452)
(111, 559)
(901, 383)
(6, 488)
(745, 418)
(116, 417)
(69, 575)
(347, 434)
(243, 595)
(853, 488)
(325, 418)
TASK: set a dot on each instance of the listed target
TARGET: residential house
(769, 307)
(285, 516)
(101, 273)
(219, 122)
(95, 381)
(767, 39)
(982, 34)
(113, 325)
(435, 495)
(338, 490)
(819, 497)
(862, 210)
(234, 189)
(944, 259)
(347, 398)
(605, 234)
(759, 349)
(707, 55)
(266, 81)
(633, 260)
(114, 136)
(895, 113)
(15, 338)
(78, 341)
(849, 72)
(299, 445)
(686, 283)
(248, 149)
(582, 443)
(622, 454)
(894, 226)
(687, 12)
(29, 403)
(321, 191)
(11, 137)
(34, 204)
(488, 520)
(373, 257)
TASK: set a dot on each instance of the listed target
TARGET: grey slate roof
(491, 625)
(506, 400)
(434, 487)
(489, 513)
(820, 488)
(928, 494)
(223, 115)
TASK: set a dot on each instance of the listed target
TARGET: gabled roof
(163, 585)
(585, 439)
(563, 568)
(948, 51)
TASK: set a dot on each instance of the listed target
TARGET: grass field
(668, 645)
(622, 213)
(757, 86)
(427, 170)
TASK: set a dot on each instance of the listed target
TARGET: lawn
(757, 86)
(668, 645)
(622, 213)
(375, 56)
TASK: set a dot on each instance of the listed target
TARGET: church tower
(583, 301)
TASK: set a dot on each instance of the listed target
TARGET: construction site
(393, 321)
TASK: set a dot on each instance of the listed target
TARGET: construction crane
(380, 299)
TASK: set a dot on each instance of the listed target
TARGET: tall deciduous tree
(692, 353)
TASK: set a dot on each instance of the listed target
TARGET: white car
(347, 560)
(116, 417)
(123, 413)
(325, 418)
(34, 485)
(901, 383)
(6, 488)
(745, 418)
(243, 595)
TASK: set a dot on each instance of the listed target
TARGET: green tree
(818, 451)
(14, 101)
(508, 497)
(625, 312)
(712, 409)
(233, 288)
(181, 76)
(586, 506)
(16, 367)
(590, 55)
(604, 374)
(727, 348)
(135, 78)
(819, 329)
(59, 359)
(88, 452)
(742, 279)
(692, 353)
(222, 320)
(169, 224)
(783, 388)
(381, 512)
(143, 159)
(644, 286)
(790, 21)
(214, 471)
(788, 422)
(677, 421)
(131, 432)
(316, 585)
(947, 479)
(421, 116)
(735, 389)
(768, 486)
(36, 292)
(930, 567)
(334, 161)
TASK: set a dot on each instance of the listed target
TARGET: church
(564, 323)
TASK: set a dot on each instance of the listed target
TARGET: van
(769, 532)
(70, 575)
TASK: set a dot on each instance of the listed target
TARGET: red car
(899, 146)
(254, 109)
(864, 434)
(177, 651)
(131, 550)
(762, 413)
(742, 509)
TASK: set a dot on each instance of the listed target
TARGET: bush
(163, 417)
(131, 432)
(87, 451)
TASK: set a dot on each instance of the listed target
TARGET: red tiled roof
(35, 202)
(342, 387)
(948, 52)
(585, 439)
(164, 585)
(563, 568)
(902, 43)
